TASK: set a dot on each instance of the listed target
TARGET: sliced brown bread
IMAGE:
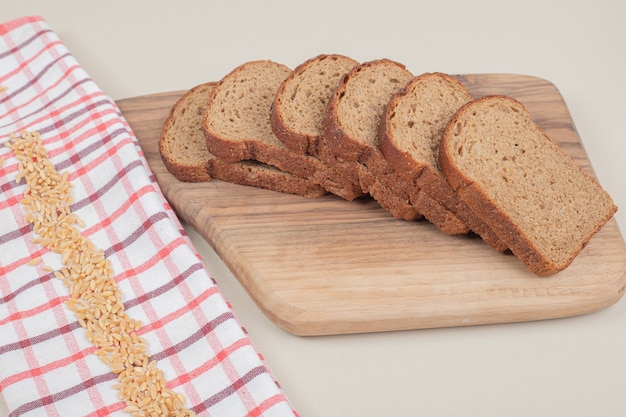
(350, 136)
(409, 137)
(182, 145)
(519, 182)
(184, 153)
(298, 108)
(301, 101)
(237, 125)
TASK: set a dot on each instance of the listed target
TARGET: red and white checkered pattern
(47, 366)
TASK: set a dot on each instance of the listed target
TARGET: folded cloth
(48, 365)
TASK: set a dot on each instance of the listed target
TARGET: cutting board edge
(310, 323)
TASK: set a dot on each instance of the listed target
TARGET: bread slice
(184, 153)
(237, 125)
(409, 138)
(519, 182)
(182, 145)
(298, 108)
(301, 101)
(350, 137)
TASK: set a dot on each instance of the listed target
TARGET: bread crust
(295, 141)
(475, 196)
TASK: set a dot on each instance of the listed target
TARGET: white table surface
(568, 367)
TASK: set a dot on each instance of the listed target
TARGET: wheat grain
(95, 297)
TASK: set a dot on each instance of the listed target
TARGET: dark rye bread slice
(237, 124)
(298, 108)
(511, 174)
(350, 142)
(409, 137)
(184, 153)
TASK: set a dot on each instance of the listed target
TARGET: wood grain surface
(327, 266)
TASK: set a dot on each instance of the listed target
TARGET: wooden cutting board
(328, 266)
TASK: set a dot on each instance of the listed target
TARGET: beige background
(574, 366)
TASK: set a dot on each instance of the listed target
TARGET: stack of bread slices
(421, 146)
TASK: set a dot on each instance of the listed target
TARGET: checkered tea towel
(48, 364)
